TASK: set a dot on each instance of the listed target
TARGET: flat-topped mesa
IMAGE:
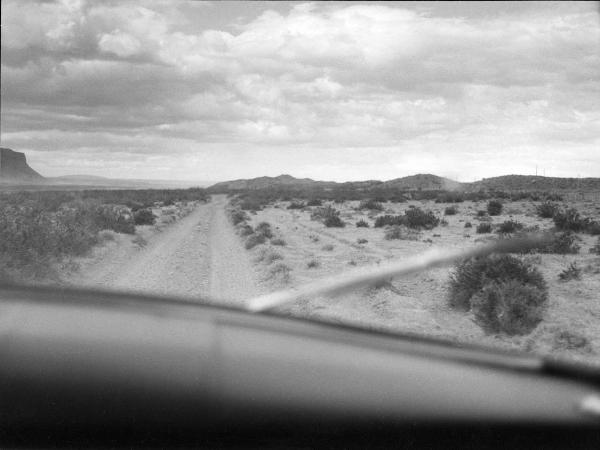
(14, 168)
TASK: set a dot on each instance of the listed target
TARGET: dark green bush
(481, 213)
(264, 229)
(314, 202)
(561, 243)
(296, 205)
(509, 306)
(238, 216)
(144, 217)
(417, 218)
(253, 240)
(245, 230)
(334, 222)
(471, 275)
(386, 220)
(483, 228)
(278, 241)
(596, 248)
(362, 223)
(494, 207)
(468, 225)
(570, 219)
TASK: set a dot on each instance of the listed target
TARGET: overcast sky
(336, 91)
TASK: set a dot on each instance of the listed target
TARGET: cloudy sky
(337, 91)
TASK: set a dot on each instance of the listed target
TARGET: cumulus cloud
(364, 89)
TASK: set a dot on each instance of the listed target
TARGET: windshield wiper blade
(364, 277)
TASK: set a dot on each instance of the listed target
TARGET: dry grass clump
(268, 256)
(362, 224)
(281, 272)
(140, 241)
(483, 228)
(450, 211)
(327, 247)
(403, 233)
(494, 207)
(361, 241)
(107, 235)
(313, 264)
(572, 272)
(279, 242)
(253, 240)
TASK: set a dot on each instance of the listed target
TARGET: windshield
(230, 150)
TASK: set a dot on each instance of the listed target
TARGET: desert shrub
(483, 228)
(386, 220)
(362, 223)
(471, 275)
(314, 202)
(569, 219)
(593, 228)
(280, 271)
(400, 232)
(596, 248)
(314, 238)
(547, 210)
(561, 243)
(509, 306)
(443, 223)
(313, 263)
(115, 217)
(481, 213)
(322, 213)
(268, 256)
(417, 218)
(251, 204)
(450, 210)
(509, 227)
(334, 222)
(572, 272)
(245, 230)
(253, 240)
(278, 241)
(494, 207)
(569, 340)
(449, 197)
(238, 216)
(370, 204)
(468, 225)
(144, 217)
(264, 229)
(327, 247)
(296, 205)
(361, 241)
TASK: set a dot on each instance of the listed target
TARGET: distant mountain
(14, 169)
(534, 183)
(267, 182)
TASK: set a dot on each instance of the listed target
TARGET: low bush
(450, 210)
(400, 232)
(417, 218)
(572, 272)
(334, 222)
(596, 248)
(264, 229)
(471, 275)
(278, 241)
(251, 204)
(483, 228)
(140, 241)
(144, 217)
(245, 230)
(468, 225)
(238, 216)
(280, 271)
(107, 235)
(509, 227)
(561, 244)
(327, 247)
(313, 263)
(370, 204)
(268, 256)
(386, 220)
(253, 240)
(494, 207)
(547, 210)
(314, 202)
(362, 223)
(322, 213)
(296, 205)
(570, 220)
(481, 213)
(361, 241)
(509, 306)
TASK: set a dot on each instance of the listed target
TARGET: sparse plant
(144, 217)
(296, 205)
(400, 232)
(264, 229)
(245, 230)
(450, 210)
(361, 241)
(494, 207)
(547, 209)
(443, 223)
(314, 202)
(253, 240)
(481, 213)
(362, 223)
(107, 235)
(313, 264)
(280, 271)
(334, 222)
(468, 225)
(370, 204)
(386, 220)
(569, 340)
(140, 241)
(327, 247)
(238, 216)
(509, 227)
(570, 220)
(268, 256)
(572, 272)
(417, 218)
(278, 241)
(561, 243)
(596, 248)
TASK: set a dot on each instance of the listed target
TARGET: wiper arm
(362, 277)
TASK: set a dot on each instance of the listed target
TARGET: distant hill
(267, 182)
(424, 182)
(534, 183)
(14, 169)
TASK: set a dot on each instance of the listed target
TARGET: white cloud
(119, 43)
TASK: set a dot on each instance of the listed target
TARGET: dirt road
(199, 256)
